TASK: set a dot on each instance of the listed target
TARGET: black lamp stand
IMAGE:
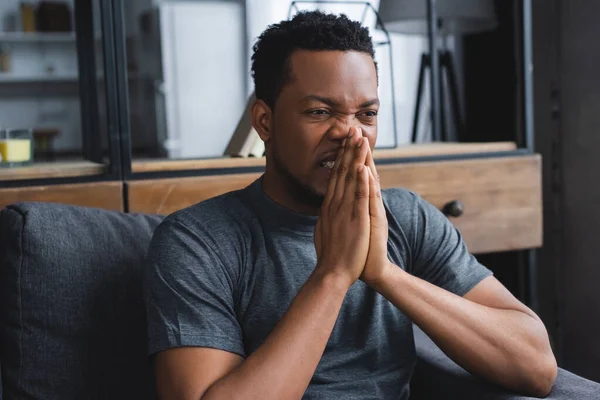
(446, 67)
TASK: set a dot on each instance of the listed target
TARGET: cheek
(295, 144)
(371, 136)
(299, 136)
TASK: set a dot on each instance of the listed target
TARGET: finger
(317, 236)
(333, 178)
(353, 177)
(371, 164)
(360, 210)
(376, 208)
(364, 153)
(344, 167)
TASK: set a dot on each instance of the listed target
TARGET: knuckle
(342, 169)
(331, 210)
(350, 176)
(360, 193)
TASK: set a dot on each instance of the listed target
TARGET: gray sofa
(72, 319)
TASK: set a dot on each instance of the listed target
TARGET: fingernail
(360, 142)
(351, 133)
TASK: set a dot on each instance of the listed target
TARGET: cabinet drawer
(107, 195)
(501, 197)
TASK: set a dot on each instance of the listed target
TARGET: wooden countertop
(52, 170)
(408, 151)
(87, 168)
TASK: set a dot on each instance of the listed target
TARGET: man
(307, 282)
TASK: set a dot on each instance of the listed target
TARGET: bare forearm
(508, 347)
(282, 367)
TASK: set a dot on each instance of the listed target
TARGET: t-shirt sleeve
(440, 255)
(189, 293)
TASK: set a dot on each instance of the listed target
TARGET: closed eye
(369, 113)
(319, 112)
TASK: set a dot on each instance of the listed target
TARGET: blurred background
(523, 72)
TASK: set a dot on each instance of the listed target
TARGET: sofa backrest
(72, 322)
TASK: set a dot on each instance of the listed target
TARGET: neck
(285, 193)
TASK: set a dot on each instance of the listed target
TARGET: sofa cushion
(438, 377)
(71, 314)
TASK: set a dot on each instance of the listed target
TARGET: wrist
(384, 277)
(332, 278)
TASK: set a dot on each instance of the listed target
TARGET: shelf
(9, 78)
(407, 151)
(37, 37)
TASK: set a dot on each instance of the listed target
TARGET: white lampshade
(454, 16)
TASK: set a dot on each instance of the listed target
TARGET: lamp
(452, 17)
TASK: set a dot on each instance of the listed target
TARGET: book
(245, 140)
(258, 148)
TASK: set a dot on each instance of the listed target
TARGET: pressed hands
(351, 243)
(352, 231)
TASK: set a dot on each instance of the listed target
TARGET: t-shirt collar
(277, 215)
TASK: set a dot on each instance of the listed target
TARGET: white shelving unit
(40, 86)
(29, 50)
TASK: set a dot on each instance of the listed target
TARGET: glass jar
(16, 147)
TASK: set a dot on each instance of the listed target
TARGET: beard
(300, 191)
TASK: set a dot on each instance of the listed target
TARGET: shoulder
(400, 202)
(205, 241)
(221, 222)
(408, 204)
(414, 216)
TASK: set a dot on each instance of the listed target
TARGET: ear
(262, 117)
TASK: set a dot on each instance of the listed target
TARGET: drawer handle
(454, 208)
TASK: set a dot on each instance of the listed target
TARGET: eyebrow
(333, 103)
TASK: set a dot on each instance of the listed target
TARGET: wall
(568, 135)
(41, 104)
(546, 37)
(580, 130)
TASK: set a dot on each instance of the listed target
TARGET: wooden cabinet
(494, 201)
(107, 195)
(500, 197)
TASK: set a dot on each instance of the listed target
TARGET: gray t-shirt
(222, 273)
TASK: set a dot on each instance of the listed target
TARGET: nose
(340, 128)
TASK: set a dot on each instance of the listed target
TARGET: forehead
(346, 75)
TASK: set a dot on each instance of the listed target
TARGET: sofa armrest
(436, 376)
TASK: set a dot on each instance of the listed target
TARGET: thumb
(375, 202)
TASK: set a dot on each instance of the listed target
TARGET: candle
(15, 150)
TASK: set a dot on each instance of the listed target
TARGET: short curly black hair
(308, 30)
